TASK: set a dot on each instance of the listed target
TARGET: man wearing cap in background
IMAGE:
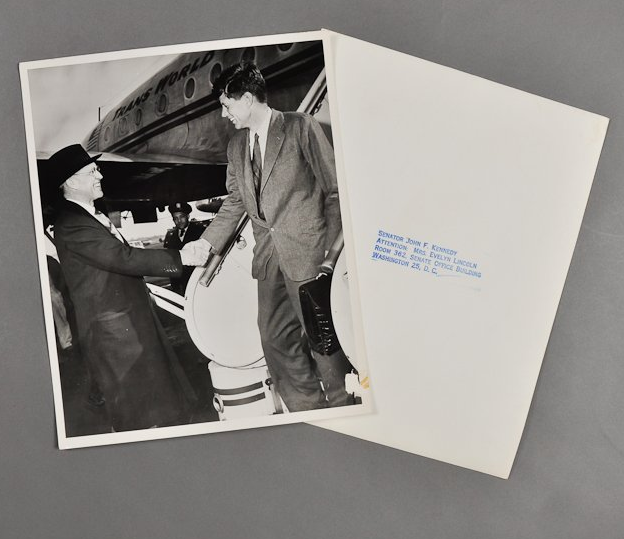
(135, 365)
(177, 237)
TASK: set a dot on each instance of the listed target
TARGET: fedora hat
(67, 161)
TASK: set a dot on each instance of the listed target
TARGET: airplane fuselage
(175, 113)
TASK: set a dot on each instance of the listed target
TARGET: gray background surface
(300, 481)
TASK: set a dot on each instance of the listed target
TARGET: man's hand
(195, 253)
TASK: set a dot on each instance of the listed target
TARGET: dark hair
(240, 78)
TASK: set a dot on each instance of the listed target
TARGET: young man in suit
(281, 172)
(128, 351)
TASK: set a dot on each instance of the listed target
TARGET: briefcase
(318, 324)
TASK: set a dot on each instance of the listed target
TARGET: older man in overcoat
(135, 365)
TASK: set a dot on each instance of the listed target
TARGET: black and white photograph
(189, 239)
(475, 292)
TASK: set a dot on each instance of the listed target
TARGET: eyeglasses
(92, 172)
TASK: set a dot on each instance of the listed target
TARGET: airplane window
(138, 115)
(189, 88)
(284, 46)
(123, 125)
(215, 72)
(249, 54)
(161, 105)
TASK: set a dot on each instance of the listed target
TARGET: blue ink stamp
(423, 256)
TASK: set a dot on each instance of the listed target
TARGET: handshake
(195, 253)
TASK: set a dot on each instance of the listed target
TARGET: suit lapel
(275, 139)
(77, 209)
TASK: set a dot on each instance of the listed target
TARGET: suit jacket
(119, 332)
(298, 196)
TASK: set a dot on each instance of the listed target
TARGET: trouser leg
(333, 370)
(282, 336)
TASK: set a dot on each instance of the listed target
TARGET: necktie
(256, 168)
(256, 164)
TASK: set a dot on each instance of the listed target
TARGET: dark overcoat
(119, 331)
